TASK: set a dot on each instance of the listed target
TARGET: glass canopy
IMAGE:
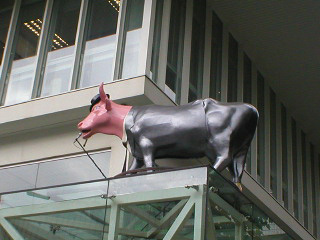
(192, 203)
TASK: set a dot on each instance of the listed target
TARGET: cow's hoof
(239, 186)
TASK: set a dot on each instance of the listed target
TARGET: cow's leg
(223, 160)
(239, 163)
(136, 163)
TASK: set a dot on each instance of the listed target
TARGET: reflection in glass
(5, 15)
(61, 47)
(216, 57)
(175, 49)
(197, 50)
(133, 36)
(260, 130)
(24, 52)
(100, 43)
(284, 145)
(273, 143)
(232, 69)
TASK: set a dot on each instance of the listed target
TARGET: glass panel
(5, 16)
(197, 50)
(71, 212)
(304, 178)
(232, 69)
(24, 52)
(156, 41)
(233, 214)
(133, 36)
(295, 167)
(284, 155)
(260, 132)
(273, 143)
(61, 47)
(72, 170)
(175, 48)
(134, 184)
(56, 172)
(100, 46)
(18, 178)
(314, 189)
(55, 194)
(216, 57)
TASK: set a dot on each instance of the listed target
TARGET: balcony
(189, 203)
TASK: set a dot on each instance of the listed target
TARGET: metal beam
(211, 230)
(10, 229)
(200, 213)
(217, 200)
(181, 219)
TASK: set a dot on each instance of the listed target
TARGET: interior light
(115, 4)
(35, 25)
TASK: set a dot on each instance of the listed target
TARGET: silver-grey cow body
(220, 131)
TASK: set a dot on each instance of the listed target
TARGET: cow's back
(172, 131)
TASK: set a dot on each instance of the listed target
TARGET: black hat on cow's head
(96, 99)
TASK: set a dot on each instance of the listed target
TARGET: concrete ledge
(74, 105)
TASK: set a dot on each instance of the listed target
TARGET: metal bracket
(196, 187)
(105, 196)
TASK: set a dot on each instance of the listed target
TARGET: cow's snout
(79, 125)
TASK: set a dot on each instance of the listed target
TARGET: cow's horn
(103, 95)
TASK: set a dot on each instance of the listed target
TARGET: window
(314, 189)
(261, 131)
(197, 50)
(5, 15)
(100, 42)
(273, 143)
(61, 48)
(156, 41)
(232, 69)
(295, 168)
(24, 51)
(284, 145)
(216, 57)
(175, 49)
(304, 178)
(132, 57)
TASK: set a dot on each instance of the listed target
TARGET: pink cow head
(105, 117)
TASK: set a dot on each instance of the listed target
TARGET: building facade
(54, 54)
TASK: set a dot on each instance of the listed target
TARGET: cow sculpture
(220, 131)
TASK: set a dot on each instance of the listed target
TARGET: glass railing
(193, 203)
(54, 172)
